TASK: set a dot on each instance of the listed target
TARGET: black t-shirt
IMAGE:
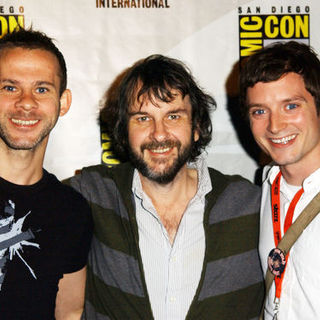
(45, 232)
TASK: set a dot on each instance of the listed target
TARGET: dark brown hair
(272, 62)
(156, 77)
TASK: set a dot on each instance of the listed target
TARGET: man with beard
(173, 239)
(44, 225)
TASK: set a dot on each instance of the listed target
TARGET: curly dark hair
(276, 60)
(156, 77)
(31, 39)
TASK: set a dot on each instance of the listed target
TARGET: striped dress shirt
(172, 272)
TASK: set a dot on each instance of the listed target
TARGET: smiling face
(285, 123)
(30, 103)
(161, 137)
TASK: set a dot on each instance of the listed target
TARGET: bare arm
(70, 297)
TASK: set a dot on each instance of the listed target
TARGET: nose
(159, 130)
(276, 122)
(26, 101)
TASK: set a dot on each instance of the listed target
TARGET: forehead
(18, 57)
(288, 86)
(148, 102)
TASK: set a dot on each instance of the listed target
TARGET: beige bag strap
(292, 234)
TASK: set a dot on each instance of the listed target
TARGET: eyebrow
(295, 98)
(47, 83)
(37, 83)
(9, 81)
(254, 105)
(136, 113)
(179, 110)
(292, 99)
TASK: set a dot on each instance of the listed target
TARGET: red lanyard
(275, 200)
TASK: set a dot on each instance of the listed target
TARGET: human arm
(70, 297)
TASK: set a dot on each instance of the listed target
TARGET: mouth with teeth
(160, 147)
(24, 123)
(284, 140)
(161, 150)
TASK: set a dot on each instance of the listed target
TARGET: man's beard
(169, 173)
(24, 145)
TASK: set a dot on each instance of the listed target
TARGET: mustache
(25, 115)
(162, 144)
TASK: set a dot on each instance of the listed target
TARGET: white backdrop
(99, 42)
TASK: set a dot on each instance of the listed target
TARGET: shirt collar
(271, 173)
(312, 182)
(309, 184)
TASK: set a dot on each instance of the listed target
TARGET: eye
(173, 116)
(257, 112)
(10, 88)
(143, 118)
(291, 106)
(41, 90)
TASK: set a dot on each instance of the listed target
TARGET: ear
(196, 135)
(65, 102)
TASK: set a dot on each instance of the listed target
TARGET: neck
(172, 199)
(184, 184)
(296, 176)
(23, 167)
(297, 171)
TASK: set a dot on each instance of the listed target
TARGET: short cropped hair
(155, 77)
(30, 39)
(276, 60)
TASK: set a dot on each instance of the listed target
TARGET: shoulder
(98, 172)
(63, 191)
(234, 191)
(70, 202)
(219, 178)
(100, 180)
(233, 199)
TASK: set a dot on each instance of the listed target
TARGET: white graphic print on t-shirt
(12, 238)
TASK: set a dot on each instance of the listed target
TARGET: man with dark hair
(45, 226)
(280, 90)
(173, 239)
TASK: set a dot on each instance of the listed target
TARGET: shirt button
(172, 299)
(173, 259)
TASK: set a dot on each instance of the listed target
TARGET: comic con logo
(107, 156)
(283, 23)
(11, 18)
